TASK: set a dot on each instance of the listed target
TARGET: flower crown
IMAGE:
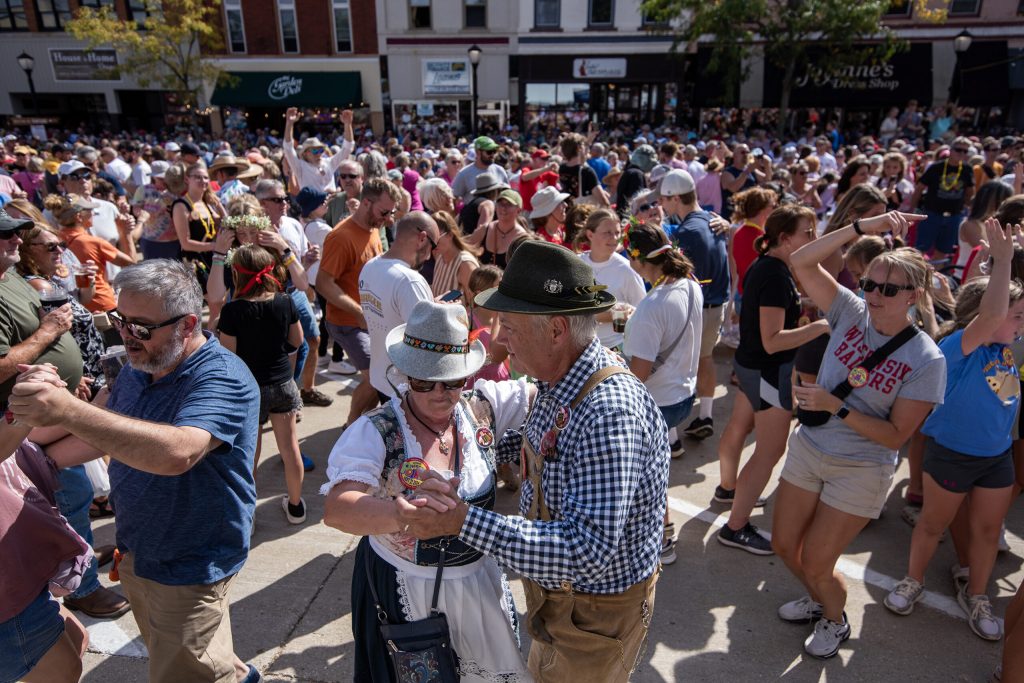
(251, 222)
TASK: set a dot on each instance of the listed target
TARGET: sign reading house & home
(446, 77)
(72, 64)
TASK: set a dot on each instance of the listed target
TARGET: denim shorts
(279, 398)
(939, 231)
(676, 413)
(29, 635)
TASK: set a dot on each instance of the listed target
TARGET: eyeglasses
(51, 246)
(348, 176)
(275, 200)
(960, 150)
(422, 386)
(888, 289)
(84, 175)
(140, 331)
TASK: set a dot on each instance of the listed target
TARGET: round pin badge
(858, 377)
(411, 472)
(1007, 356)
(547, 444)
(484, 437)
(562, 416)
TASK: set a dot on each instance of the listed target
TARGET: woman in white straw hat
(548, 215)
(314, 165)
(373, 473)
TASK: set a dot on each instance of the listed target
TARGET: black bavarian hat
(546, 279)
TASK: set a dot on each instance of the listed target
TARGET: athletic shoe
(802, 611)
(315, 397)
(728, 496)
(961, 575)
(904, 596)
(1003, 546)
(979, 615)
(910, 514)
(341, 367)
(746, 538)
(668, 551)
(296, 514)
(307, 464)
(700, 428)
(827, 637)
(677, 449)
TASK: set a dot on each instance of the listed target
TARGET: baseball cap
(676, 182)
(310, 199)
(540, 154)
(190, 148)
(159, 168)
(69, 167)
(511, 196)
(172, 147)
(9, 222)
(485, 143)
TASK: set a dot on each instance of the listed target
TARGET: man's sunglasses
(9, 234)
(433, 244)
(887, 289)
(348, 176)
(140, 331)
(276, 200)
(422, 386)
(52, 246)
(85, 175)
(960, 150)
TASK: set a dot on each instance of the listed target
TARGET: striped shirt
(446, 273)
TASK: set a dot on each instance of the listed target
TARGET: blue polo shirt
(192, 528)
(708, 252)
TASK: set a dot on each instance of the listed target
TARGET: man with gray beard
(180, 428)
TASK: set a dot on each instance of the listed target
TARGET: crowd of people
(539, 318)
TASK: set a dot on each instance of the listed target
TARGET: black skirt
(372, 662)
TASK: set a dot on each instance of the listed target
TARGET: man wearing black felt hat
(595, 454)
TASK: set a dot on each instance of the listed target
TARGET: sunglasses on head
(888, 289)
(141, 331)
(51, 246)
(348, 176)
(422, 386)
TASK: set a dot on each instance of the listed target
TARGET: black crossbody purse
(421, 651)
(816, 418)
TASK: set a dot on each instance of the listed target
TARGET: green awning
(288, 89)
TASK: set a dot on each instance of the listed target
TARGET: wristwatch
(842, 412)
(857, 228)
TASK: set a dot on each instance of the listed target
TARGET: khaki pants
(187, 629)
(592, 638)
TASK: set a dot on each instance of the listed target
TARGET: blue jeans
(939, 231)
(309, 329)
(676, 413)
(73, 499)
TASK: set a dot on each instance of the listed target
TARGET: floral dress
(83, 329)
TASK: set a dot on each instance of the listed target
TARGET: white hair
(582, 328)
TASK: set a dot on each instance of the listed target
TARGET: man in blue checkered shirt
(595, 457)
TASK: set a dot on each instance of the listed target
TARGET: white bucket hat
(545, 201)
(434, 345)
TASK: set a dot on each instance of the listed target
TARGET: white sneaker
(1003, 546)
(802, 611)
(827, 637)
(979, 615)
(293, 519)
(961, 575)
(904, 596)
(342, 367)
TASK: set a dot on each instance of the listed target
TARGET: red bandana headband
(257, 277)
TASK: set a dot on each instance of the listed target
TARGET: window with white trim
(235, 24)
(289, 26)
(600, 13)
(342, 26)
(476, 14)
(419, 14)
(547, 13)
(53, 14)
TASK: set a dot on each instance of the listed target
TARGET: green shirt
(19, 319)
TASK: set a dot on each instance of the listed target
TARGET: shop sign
(424, 109)
(284, 87)
(599, 68)
(446, 77)
(83, 65)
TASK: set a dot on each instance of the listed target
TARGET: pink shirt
(709, 191)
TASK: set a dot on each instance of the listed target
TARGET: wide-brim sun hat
(434, 345)
(546, 279)
(228, 161)
(486, 182)
(545, 201)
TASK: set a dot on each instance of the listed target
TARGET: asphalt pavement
(714, 616)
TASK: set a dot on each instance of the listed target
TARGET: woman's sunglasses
(52, 246)
(887, 289)
(422, 386)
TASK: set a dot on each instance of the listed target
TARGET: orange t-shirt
(89, 247)
(346, 250)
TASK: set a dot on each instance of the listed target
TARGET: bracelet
(219, 253)
(219, 262)
(289, 261)
(856, 227)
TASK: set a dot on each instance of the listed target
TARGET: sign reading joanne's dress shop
(599, 68)
(71, 64)
(446, 77)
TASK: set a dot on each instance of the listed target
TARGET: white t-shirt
(623, 283)
(120, 169)
(666, 313)
(388, 291)
(292, 232)
(141, 174)
(316, 232)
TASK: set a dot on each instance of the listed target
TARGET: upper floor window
(342, 26)
(601, 13)
(235, 24)
(899, 8)
(419, 14)
(962, 8)
(547, 13)
(476, 13)
(97, 4)
(139, 12)
(12, 15)
(53, 14)
(289, 26)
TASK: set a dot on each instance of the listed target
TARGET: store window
(476, 13)
(601, 13)
(53, 14)
(547, 13)
(342, 26)
(12, 16)
(235, 24)
(964, 8)
(289, 26)
(419, 14)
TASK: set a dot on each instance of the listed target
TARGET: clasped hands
(433, 510)
(39, 397)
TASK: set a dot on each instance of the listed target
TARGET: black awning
(291, 89)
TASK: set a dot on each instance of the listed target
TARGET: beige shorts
(187, 629)
(856, 487)
(712, 329)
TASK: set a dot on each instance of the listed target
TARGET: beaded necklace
(956, 178)
(209, 228)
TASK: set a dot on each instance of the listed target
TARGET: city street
(714, 617)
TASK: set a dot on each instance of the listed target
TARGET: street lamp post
(27, 63)
(474, 60)
(961, 44)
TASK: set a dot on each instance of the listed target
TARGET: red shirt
(743, 252)
(528, 188)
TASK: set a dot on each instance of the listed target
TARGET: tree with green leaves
(788, 33)
(166, 49)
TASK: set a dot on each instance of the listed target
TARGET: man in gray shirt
(465, 181)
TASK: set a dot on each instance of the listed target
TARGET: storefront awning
(290, 89)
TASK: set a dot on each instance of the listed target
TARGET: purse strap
(662, 357)
(876, 357)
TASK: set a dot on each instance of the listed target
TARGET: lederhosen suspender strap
(533, 462)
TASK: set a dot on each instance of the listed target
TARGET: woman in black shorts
(769, 337)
